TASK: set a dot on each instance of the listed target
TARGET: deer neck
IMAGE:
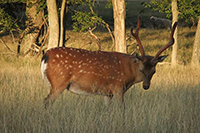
(136, 73)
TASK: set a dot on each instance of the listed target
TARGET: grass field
(171, 105)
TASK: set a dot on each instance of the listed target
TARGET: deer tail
(43, 66)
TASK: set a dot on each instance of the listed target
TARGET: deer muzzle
(146, 84)
(146, 87)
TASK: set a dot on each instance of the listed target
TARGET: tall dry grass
(172, 104)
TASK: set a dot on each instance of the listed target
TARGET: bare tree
(175, 19)
(62, 29)
(196, 46)
(33, 22)
(119, 25)
(53, 24)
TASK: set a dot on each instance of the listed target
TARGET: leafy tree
(189, 10)
(24, 16)
(9, 20)
(85, 20)
(82, 20)
(10, 11)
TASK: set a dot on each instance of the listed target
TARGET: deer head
(147, 64)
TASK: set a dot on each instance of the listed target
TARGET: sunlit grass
(172, 104)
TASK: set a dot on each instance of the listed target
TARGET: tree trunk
(196, 46)
(53, 24)
(62, 28)
(33, 22)
(119, 25)
(175, 19)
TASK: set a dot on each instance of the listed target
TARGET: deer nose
(146, 87)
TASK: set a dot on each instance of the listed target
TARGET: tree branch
(7, 46)
(111, 34)
(98, 40)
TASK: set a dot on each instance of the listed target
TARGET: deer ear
(141, 58)
(161, 58)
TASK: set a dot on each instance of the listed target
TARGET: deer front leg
(107, 100)
(119, 98)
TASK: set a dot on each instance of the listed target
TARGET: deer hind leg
(54, 93)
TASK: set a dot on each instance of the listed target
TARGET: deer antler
(170, 43)
(137, 37)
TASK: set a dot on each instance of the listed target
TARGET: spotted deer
(109, 74)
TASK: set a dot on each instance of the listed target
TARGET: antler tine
(170, 43)
(137, 37)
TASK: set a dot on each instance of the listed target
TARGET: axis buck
(109, 74)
